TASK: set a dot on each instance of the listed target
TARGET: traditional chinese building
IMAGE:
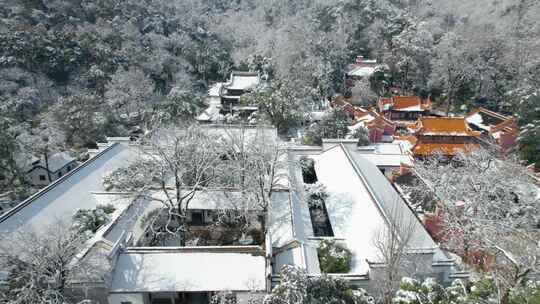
(362, 68)
(380, 129)
(444, 135)
(404, 109)
(239, 84)
(224, 97)
(345, 104)
(497, 130)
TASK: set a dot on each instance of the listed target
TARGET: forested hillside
(75, 71)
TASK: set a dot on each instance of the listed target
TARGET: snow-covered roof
(389, 200)
(291, 228)
(56, 161)
(381, 154)
(131, 217)
(361, 203)
(289, 214)
(416, 108)
(352, 214)
(444, 126)
(215, 89)
(243, 81)
(388, 160)
(476, 119)
(189, 269)
(492, 122)
(426, 148)
(60, 200)
(406, 143)
(362, 71)
(209, 114)
(25, 162)
(315, 115)
(379, 148)
(280, 219)
(300, 254)
(404, 103)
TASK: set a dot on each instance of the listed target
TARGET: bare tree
(490, 207)
(451, 67)
(259, 166)
(362, 94)
(171, 167)
(395, 258)
(40, 264)
(129, 92)
(44, 140)
(175, 165)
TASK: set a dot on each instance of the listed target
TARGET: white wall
(329, 143)
(134, 298)
(33, 176)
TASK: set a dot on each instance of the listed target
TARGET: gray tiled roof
(389, 199)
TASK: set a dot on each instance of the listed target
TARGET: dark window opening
(308, 170)
(197, 218)
(42, 177)
(320, 220)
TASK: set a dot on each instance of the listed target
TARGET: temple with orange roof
(404, 109)
(444, 135)
(497, 130)
(380, 129)
(344, 103)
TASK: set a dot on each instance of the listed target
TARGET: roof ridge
(436, 117)
(366, 184)
(496, 114)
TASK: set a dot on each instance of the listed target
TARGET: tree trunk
(182, 222)
(449, 101)
(182, 236)
(63, 279)
(505, 297)
(47, 167)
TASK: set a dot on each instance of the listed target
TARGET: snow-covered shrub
(225, 297)
(316, 194)
(530, 293)
(484, 290)
(89, 220)
(333, 125)
(362, 135)
(334, 257)
(298, 288)
(413, 291)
